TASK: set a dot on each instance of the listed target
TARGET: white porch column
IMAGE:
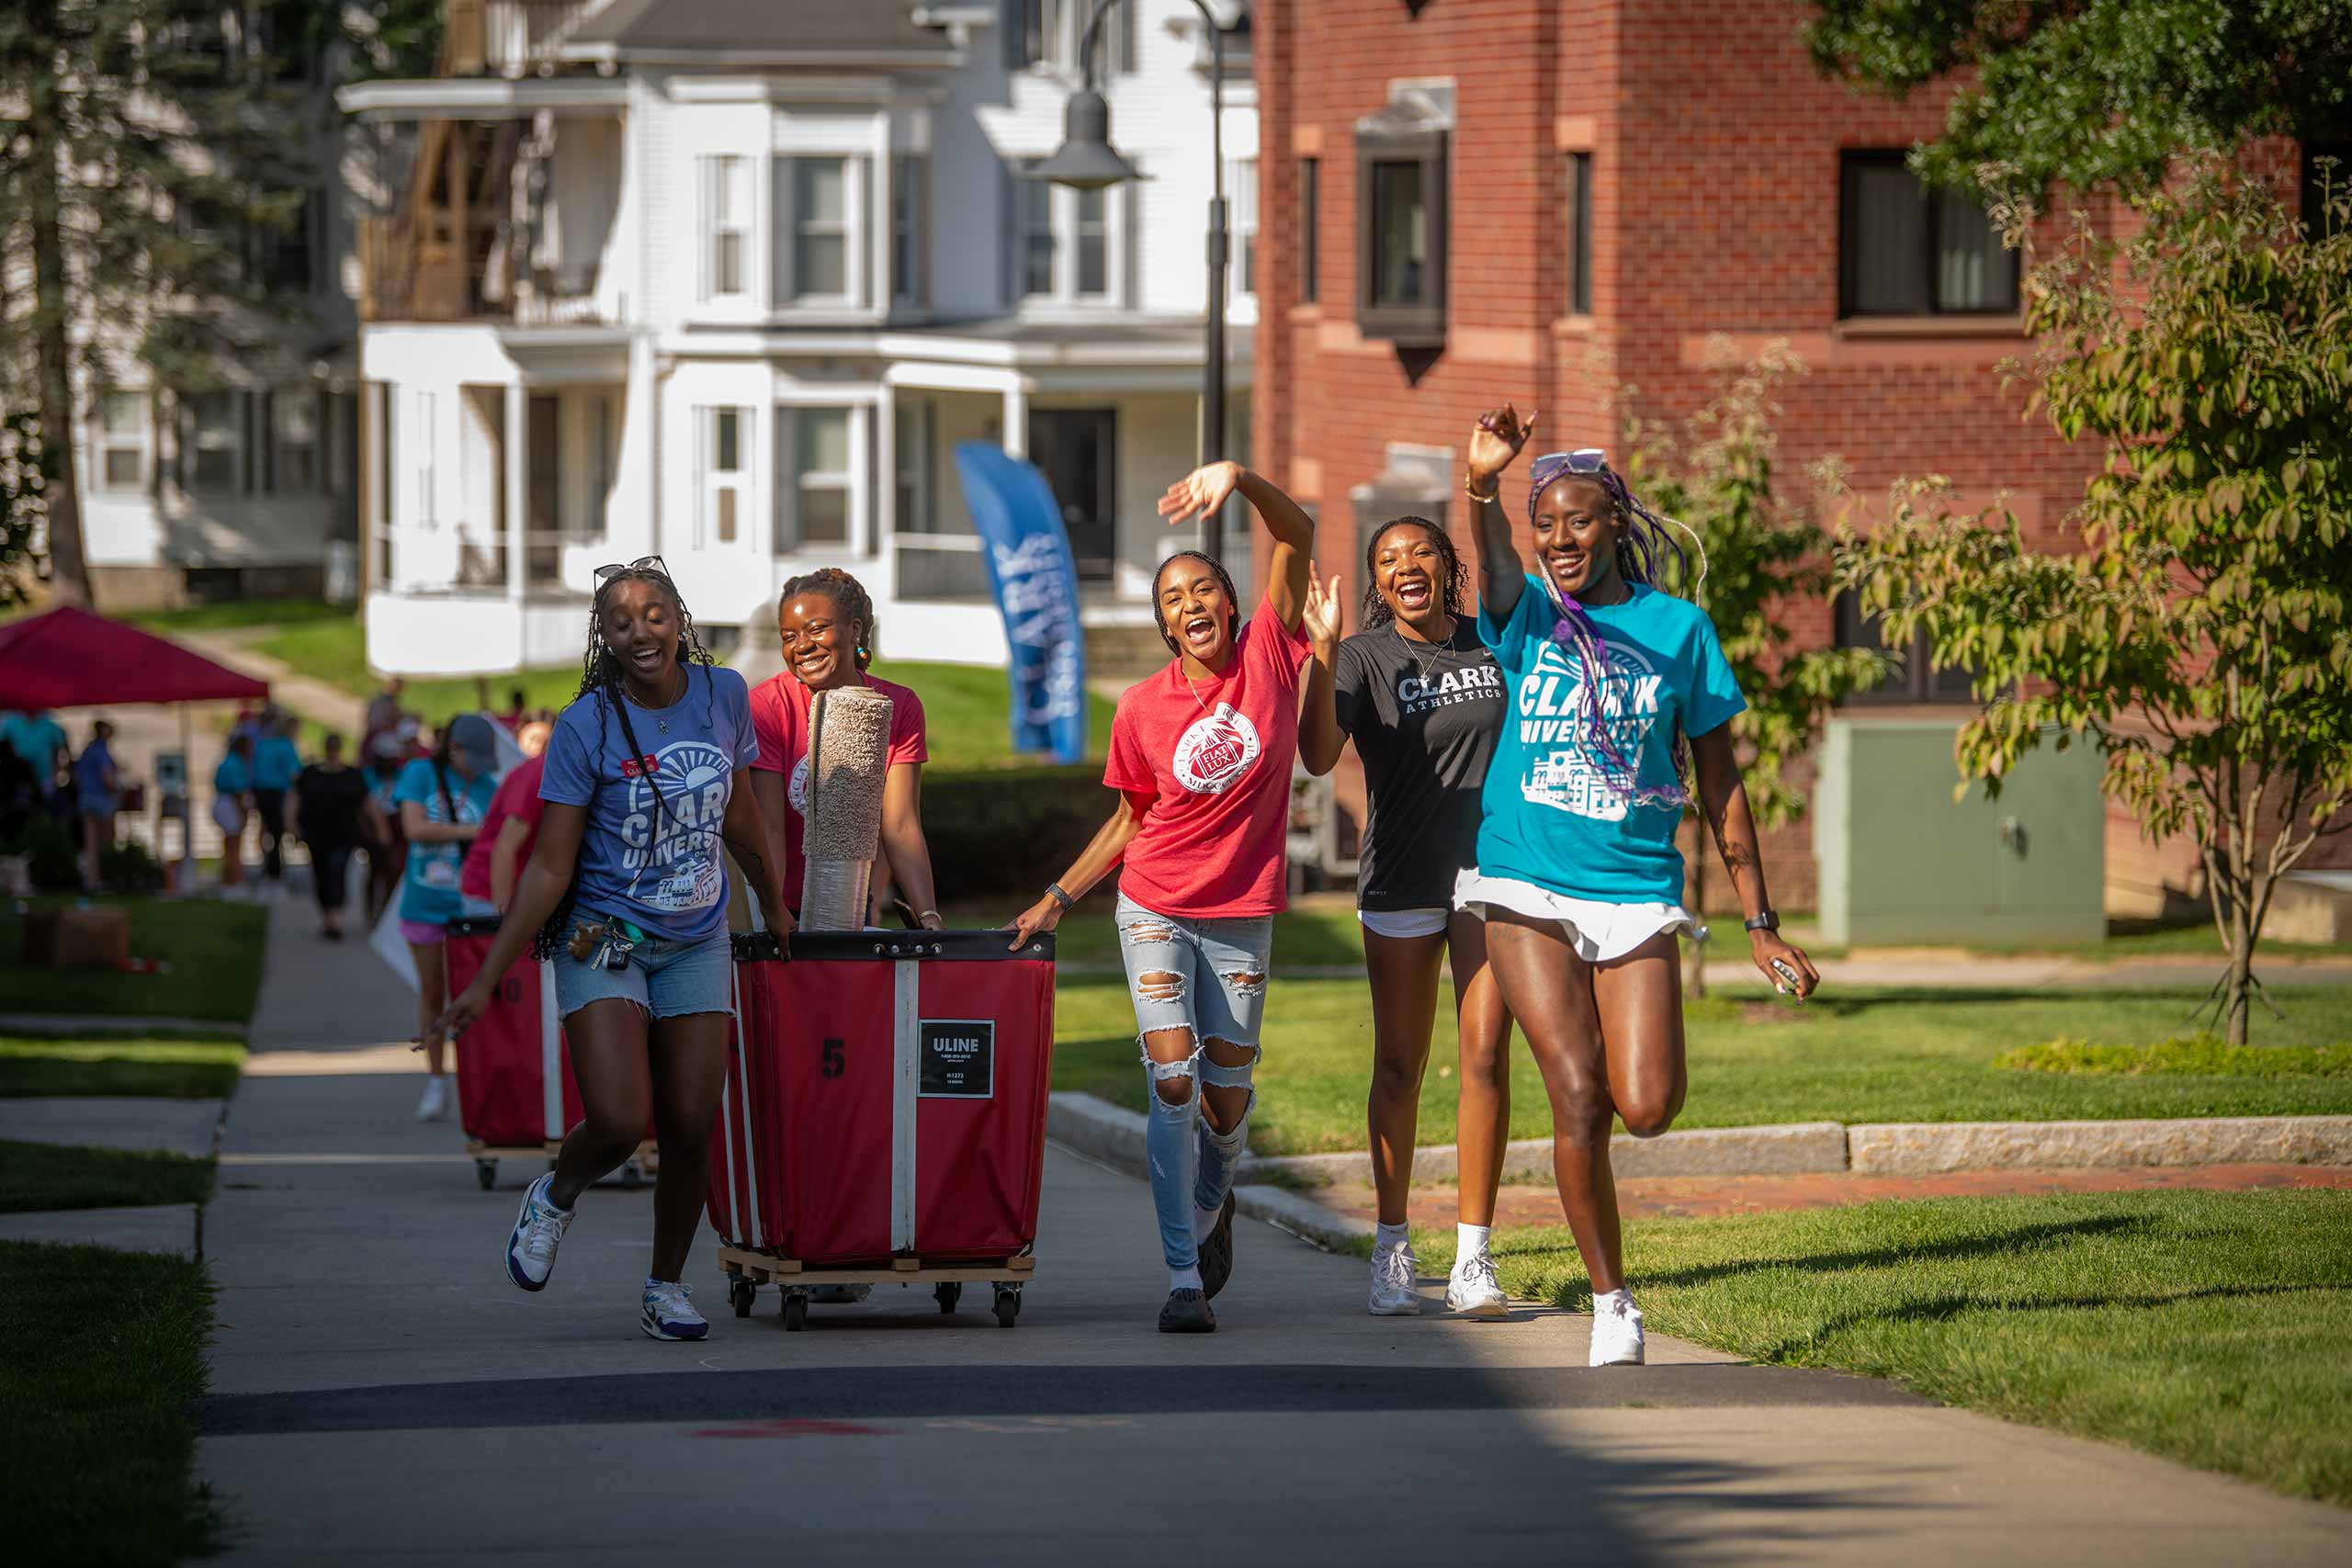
(885, 471)
(1016, 418)
(517, 456)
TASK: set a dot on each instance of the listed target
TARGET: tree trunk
(2237, 1001)
(53, 347)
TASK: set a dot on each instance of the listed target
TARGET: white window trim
(720, 176)
(711, 481)
(849, 482)
(1241, 223)
(784, 284)
(141, 440)
(1062, 213)
(422, 444)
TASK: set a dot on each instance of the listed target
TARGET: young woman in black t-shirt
(1423, 698)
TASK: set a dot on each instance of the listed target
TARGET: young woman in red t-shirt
(826, 620)
(1201, 756)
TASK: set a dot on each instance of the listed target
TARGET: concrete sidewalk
(380, 1390)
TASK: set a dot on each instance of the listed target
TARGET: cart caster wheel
(486, 1173)
(796, 1314)
(1008, 1308)
(948, 1294)
(740, 1293)
(631, 1178)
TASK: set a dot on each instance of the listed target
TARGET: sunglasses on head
(1583, 460)
(641, 563)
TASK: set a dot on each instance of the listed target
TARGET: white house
(727, 283)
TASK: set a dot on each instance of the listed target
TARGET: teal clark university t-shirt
(1551, 815)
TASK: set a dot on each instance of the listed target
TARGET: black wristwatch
(1767, 921)
(1058, 896)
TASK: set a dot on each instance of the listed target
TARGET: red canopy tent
(70, 658)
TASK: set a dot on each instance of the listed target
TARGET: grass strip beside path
(2208, 1327)
(214, 948)
(1886, 1056)
(2202, 1055)
(174, 1069)
(107, 1352)
(38, 1177)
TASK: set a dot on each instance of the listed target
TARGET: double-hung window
(1401, 175)
(815, 496)
(726, 226)
(909, 177)
(1063, 243)
(723, 435)
(818, 212)
(1906, 249)
(294, 441)
(1579, 206)
(122, 441)
(1033, 201)
(215, 438)
(1915, 677)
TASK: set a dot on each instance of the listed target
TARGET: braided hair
(850, 599)
(600, 681)
(1376, 613)
(1646, 553)
(1224, 580)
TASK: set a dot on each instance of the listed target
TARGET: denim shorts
(664, 979)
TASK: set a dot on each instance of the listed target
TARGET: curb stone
(1797, 1148)
(1929, 1148)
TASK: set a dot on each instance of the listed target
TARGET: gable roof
(757, 31)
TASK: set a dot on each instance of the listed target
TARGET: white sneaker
(667, 1314)
(432, 1105)
(1616, 1331)
(1393, 1269)
(538, 1231)
(1473, 1290)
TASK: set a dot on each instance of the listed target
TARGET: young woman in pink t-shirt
(826, 620)
(1201, 756)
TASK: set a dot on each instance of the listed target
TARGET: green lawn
(232, 615)
(176, 1069)
(967, 715)
(35, 1177)
(2210, 1327)
(1320, 932)
(96, 1447)
(214, 949)
(1851, 1056)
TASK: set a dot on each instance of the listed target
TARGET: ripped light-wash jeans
(1207, 977)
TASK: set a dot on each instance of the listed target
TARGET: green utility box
(1902, 863)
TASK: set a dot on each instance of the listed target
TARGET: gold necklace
(1429, 671)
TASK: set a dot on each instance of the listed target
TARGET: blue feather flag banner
(1027, 551)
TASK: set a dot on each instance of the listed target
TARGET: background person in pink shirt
(826, 620)
(509, 828)
(1201, 756)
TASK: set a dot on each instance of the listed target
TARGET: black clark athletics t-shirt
(1424, 718)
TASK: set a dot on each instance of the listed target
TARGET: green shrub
(2200, 1056)
(1009, 830)
(129, 868)
(51, 858)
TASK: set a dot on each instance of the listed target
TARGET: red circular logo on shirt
(1216, 751)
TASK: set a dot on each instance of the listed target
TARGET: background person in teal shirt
(1609, 679)
(233, 796)
(441, 800)
(277, 764)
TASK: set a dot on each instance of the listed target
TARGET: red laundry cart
(516, 1097)
(884, 1121)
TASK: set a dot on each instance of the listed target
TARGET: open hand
(1321, 614)
(1200, 493)
(1496, 440)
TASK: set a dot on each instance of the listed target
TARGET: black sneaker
(1187, 1312)
(1217, 1251)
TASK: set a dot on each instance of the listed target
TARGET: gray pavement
(158, 1227)
(380, 1391)
(114, 1122)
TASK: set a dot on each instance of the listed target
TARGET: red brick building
(1462, 201)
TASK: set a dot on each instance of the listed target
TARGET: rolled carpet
(849, 746)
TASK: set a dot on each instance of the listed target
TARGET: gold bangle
(1494, 494)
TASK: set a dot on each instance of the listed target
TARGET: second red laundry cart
(885, 1115)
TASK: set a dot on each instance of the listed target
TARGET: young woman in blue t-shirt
(1613, 682)
(627, 894)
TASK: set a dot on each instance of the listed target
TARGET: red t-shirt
(780, 707)
(1214, 757)
(518, 795)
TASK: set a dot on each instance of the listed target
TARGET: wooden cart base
(644, 1162)
(746, 1271)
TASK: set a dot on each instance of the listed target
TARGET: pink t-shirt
(780, 707)
(518, 795)
(1214, 757)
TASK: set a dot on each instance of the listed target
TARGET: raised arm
(1204, 491)
(1320, 734)
(1495, 442)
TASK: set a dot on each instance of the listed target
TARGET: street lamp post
(1087, 161)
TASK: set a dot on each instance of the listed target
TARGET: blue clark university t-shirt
(657, 866)
(1550, 814)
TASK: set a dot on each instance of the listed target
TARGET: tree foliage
(2199, 637)
(148, 155)
(24, 509)
(2091, 93)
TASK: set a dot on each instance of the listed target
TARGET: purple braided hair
(1645, 549)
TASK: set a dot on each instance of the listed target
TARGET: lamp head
(1086, 160)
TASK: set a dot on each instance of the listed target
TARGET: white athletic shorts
(1405, 922)
(1598, 932)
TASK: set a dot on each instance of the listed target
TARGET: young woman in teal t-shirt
(1613, 683)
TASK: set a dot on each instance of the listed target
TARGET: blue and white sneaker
(669, 1314)
(538, 1231)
